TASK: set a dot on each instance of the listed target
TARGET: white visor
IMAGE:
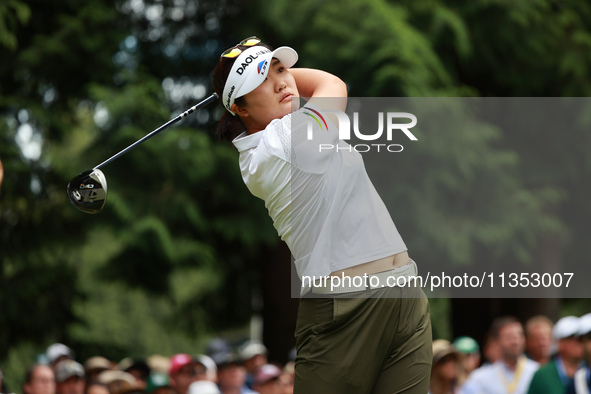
(250, 70)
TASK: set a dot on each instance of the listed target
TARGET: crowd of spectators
(536, 358)
(221, 371)
(539, 357)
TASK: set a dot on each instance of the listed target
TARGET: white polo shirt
(322, 202)
(497, 378)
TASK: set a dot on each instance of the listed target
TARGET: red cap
(178, 361)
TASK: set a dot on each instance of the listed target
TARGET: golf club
(88, 191)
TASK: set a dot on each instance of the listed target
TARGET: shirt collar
(247, 141)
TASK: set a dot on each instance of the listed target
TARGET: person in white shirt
(513, 372)
(353, 338)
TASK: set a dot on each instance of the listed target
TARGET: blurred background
(182, 253)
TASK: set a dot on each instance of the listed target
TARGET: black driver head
(88, 191)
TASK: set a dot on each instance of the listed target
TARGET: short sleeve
(307, 138)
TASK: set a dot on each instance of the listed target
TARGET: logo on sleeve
(316, 118)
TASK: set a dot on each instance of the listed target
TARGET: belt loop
(416, 267)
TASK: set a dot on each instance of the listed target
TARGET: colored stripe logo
(316, 118)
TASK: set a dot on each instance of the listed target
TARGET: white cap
(107, 377)
(250, 70)
(68, 368)
(203, 387)
(565, 327)
(251, 349)
(58, 350)
(207, 362)
(266, 373)
(585, 324)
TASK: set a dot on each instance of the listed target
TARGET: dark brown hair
(501, 322)
(230, 126)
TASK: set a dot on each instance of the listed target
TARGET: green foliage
(539, 48)
(117, 321)
(179, 227)
(174, 255)
(440, 318)
(12, 13)
(384, 55)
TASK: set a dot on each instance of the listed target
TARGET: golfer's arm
(316, 83)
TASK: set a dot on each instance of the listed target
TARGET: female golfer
(356, 337)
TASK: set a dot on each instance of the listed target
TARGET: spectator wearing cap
(538, 339)
(140, 371)
(158, 363)
(469, 357)
(513, 372)
(581, 384)
(69, 377)
(217, 348)
(554, 377)
(254, 356)
(94, 366)
(119, 382)
(231, 375)
(39, 379)
(57, 353)
(159, 383)
(182, 372)
(266, 380)
(204, 387)
(444, 370)
(205, 368)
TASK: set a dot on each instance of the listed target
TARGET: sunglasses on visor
(233, 52)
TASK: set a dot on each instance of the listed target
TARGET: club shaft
(208, 100)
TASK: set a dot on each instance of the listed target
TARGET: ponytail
(230, 126)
